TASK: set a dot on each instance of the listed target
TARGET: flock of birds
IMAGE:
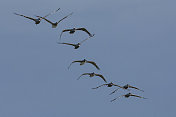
(82, 62)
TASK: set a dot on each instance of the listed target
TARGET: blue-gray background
(134, 43)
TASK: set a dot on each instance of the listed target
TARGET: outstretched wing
(99, 86)
(136, 88)
(85, 39)
(72, 63)
(51, 13)
(85, 30)
(64, 17)
(45, 19)
(101, 77)
(117, 98)
(25, 16)
(64, 31)
(138, 96)
(82, 75)
(67, 44)
(93, 63)
(114, 91)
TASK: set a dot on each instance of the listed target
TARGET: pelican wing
(25, 16)
(72, 63)
(51, 13)
(93, 63)
(67, 44)
(85, 30)
(117, 98)
(114, 91)
(64, 17)
(48, 21)
(82, 75)
(99, 86)
(136, 88)
(64, 31)
(45, 19)
(138, 96)
(117, 85)
(101, 77)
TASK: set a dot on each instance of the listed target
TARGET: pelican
(37, 20)
(54, 24)
(108, 85)
(127, 96)
(126, 87)
(71, 31)
(92, 75)
(82, 62)
(76, 46)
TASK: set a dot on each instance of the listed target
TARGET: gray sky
(134, 43)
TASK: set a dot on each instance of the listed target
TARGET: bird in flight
(37, 20)
(127, 96)
(76, 46)
(126, 87)
(92, 75)
(54, 24)
(82, 62)
(71, 31)
(108, 85)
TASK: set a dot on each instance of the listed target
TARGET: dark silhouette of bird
(92, 75)
(37, 20)
(73, 30)
(54, 24)
(127, 96)
(76, 46)
(126, 87)
(82, 62)
(108, 85)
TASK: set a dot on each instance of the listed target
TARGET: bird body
(76, 46)
(82, 62)
(127, 96)
(55, 24)
(126, 88)
(73, 30)
(92, 75)
(37, 20)
(108, 85)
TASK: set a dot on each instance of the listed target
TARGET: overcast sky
(134, 43)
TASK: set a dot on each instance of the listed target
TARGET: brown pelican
(108, 85)
(82, 62)
(71, 31)
(92, 75)
(75, 45)
(37, 20)
(126, 87)
(54, 25)
(127, 96)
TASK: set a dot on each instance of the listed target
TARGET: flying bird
(82, 62)
(127, 96)
(126, 87)
(76, 46)
(54, 24)
(108, 85)
(71, 31)
(37, 20)
(92, 75)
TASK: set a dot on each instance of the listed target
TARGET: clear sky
(134, 43)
